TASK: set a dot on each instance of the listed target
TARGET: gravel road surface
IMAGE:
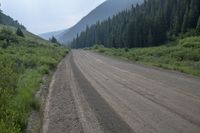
(92, 93)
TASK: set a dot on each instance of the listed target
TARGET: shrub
(101, 50)
(126, 49)
(19, 32)
(7, 36)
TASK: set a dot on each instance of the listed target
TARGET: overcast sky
(41, 16)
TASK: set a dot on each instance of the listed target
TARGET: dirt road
(91, 93)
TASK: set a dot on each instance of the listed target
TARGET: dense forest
(7, 20)
(150, 24)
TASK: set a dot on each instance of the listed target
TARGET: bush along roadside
(182, 55)
(23, 63)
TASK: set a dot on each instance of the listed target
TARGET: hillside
(150, 24)
(100, 13)
(7, 20)
(24, 60)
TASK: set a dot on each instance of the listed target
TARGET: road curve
(91, 93)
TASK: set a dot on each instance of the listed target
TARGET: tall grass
(183, 55)
(22, 66)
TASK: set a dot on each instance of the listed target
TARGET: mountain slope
(23, 63)
(50, 34)
(7, 20)
(152, 23)
(102, 12)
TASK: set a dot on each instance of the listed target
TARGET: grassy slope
(22, 66)
(183, 55)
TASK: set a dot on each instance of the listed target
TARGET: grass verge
(22, 66)
(183, 55)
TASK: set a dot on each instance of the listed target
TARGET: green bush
(7, 36)
(101, 50)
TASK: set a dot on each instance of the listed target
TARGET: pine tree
(150, 38)
(143, 25)
(177, 27)
(198, 26)
(0, 8)
(194, 13)
(185, 21)
(0, 14)
(53, 40)
(19, 32)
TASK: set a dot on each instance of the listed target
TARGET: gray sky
(41, 16)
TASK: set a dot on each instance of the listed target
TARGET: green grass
(22, 67)
(183, 55)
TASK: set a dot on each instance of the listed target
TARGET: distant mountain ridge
(50, 34)
(102, 12)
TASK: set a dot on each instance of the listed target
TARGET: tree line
(7, 20)
(150, 24)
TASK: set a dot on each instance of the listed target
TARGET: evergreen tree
(53, 40)
(0, 14)
(185, 21)
(143, 25)
(177, 25)
(150, 38)
(198, 26)
(6, 20)
(194, 13)
(19, 32)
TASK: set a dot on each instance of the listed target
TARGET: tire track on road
(107, 117)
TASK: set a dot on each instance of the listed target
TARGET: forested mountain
(7, 20)
(102, 12)
(149, 24)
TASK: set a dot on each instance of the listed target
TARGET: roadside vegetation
(24, 60)
(182, 55)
